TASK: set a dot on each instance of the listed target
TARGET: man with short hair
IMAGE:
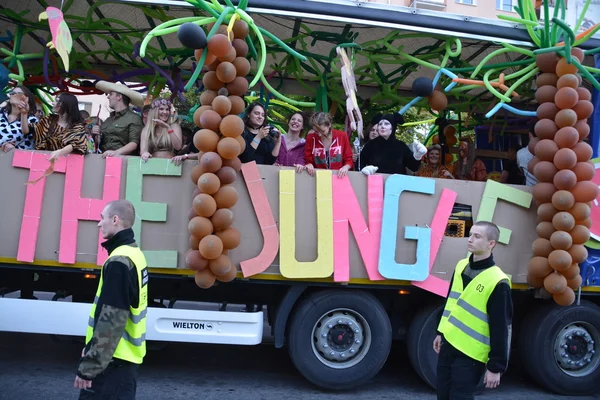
(475, 329)
(116, 335)
(523, 158)
(120, 133)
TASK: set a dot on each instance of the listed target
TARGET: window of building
(504, 5)
(469, 2)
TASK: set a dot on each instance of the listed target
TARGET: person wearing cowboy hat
(120, 133)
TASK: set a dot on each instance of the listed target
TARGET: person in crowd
(145, 112)
(263, 141)
(120, 133)
(291, 153)
(359, 145)
(15, 119)
(468, 167)
(63, 132)
(327, 148)
(523, 158)
(434, 168)
(387, 153)
(511, 173)
(39, 110)
(188, 151)
(161, 137)
(474, 332)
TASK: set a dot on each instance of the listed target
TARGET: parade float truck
(342, 267)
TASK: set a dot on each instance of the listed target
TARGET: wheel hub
(341, 338)
(575, 350)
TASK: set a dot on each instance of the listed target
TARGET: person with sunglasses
(161, 137)
(15, 119)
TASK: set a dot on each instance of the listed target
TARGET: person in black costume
(387, 153)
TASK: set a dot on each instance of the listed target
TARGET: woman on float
(263, 142)
(388, 154)
(327, 148)
(161, 136)
(291, 153)
(15, 119)
(356, 154)
(433, 168)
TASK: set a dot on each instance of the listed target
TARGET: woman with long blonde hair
(161, 136)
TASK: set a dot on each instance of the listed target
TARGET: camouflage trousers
(117, 382)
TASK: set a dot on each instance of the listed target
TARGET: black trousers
(458, 375)
(117, 382)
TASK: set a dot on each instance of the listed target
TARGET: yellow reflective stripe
(472, 310)
(469, 332)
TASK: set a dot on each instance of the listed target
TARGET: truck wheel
(339, 340)
(560, 348)
(421, 333)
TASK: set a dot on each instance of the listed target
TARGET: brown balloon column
(564, 172)
(220, 143)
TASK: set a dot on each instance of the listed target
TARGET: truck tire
(560, 348)
(339, 339)
(421, 333)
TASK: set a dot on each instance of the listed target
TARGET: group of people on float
(156, 133)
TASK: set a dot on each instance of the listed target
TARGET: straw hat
(137, 99)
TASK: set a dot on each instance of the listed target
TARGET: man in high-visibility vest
(474, 333)
(116, 335)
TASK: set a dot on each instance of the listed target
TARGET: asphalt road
(37, 367)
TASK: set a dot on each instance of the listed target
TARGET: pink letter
(75, 208)
(37, 163)
(347, 210)
(434, 284)
(260, 202)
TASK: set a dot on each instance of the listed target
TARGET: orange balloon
(211, 162)
(242, 66)
(237, 105)
(583, 109)
(543, 191)
(583, 151)
(584, 171)
(235, 163)
(546, 62)
(571, 272)
(198, 113)
(194, 242)
(565, 298)
(226, 175)
(564, 180)
(200, 227)
(566, 97)
(545, 230)
(240, 46)
(230, 237)
(563, 200)
(238, 86)
(555, 283)
(531, 147)
(204, 205)
(222, 219)
(220, 265)
(532, 163)
(535, 282)
(229, 276)
(580, 211)
(568, 80)
(205, 278)
(545, 94)
(210, 119)
(546, 111)
(230, 56)
(219, 45)
(578, 53)
(226, 72)
(580, 234)
(585, 191)
(206, 140)
(563, 221)
(547, 78)
(583, 128)
(539, 267)
(211, 81)
(242, 144)
(545, 150)
(566, 137)
(565, 117)
(544, 171)
(226, 197)
(560, 260)
(584, 94)
(207, 97)
(209, 183)
(228, 148)
(578, 252)
(585, 222)
(240, 29)
(210, 58)
(562, 68)
(546, 211)
(542, 248)
(211, 247)
(438, 101)
(232, 126)
(196, 172)
(561, 240)
(221, 105)
(575, 282)
(565, 159)
(195, 261)
(545, 128)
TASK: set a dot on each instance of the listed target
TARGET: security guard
(475, 327)
(116, 335)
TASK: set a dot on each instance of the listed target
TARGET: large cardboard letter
(388, 266)
(494, 191)
(260, 202)
(347, 210)
(146, 211)
(75, 208)
(289, 267)
(439, 222)
(37, 163)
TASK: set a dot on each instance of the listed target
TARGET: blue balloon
(191, 36)
(422, 86)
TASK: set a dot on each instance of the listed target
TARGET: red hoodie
(339, 154)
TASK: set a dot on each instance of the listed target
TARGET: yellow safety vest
(132, 346)
(464, 322)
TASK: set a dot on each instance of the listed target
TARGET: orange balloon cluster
(564, 190)
(220, 143)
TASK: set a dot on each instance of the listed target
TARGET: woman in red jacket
(327, 148)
